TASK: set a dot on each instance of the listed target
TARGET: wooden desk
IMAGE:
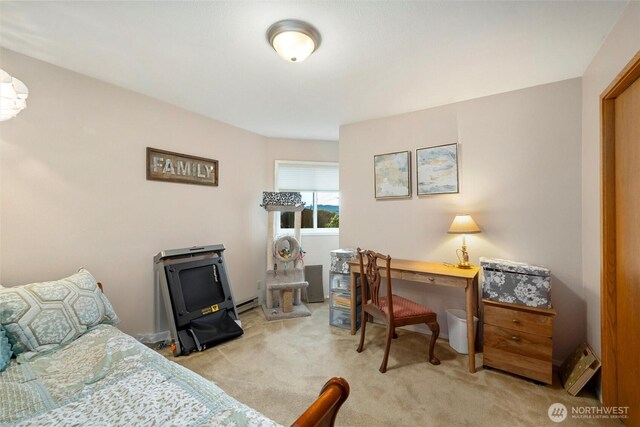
(431, 273)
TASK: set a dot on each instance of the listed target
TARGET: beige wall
(74, 191)
(317, 246)
(519, 177)
(617, 50)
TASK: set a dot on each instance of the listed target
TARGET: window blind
(307, 176)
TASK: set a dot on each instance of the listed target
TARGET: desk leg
(469, 292)
(354, 308)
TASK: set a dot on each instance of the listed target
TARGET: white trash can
(457, 321)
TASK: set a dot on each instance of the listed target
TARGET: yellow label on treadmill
(211, 309)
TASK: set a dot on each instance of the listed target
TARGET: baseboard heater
(247, 305)
(197, 297)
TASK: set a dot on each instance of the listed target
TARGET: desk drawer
(394, 273)
(434, 279)
(516, 320)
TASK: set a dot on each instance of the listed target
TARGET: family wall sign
(175, 167)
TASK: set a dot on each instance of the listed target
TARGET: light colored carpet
(279, 368)
(300, 310)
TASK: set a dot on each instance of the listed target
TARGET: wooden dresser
(518, 339)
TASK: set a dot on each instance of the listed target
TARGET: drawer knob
(431, 279)
(515, 338)
(516, 321)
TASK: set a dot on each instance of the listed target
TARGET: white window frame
(305, 231)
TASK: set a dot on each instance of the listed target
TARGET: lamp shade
(464, 224)
(13, 96)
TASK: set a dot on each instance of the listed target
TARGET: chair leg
(363, 327)
(394, 334)
(435, 331)
(383, 367)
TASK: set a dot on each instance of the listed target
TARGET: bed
(105, 377)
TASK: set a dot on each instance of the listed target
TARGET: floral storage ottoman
(516, 282)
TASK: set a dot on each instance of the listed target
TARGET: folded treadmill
(197, 297)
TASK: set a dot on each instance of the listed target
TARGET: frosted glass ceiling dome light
(13, 96)
(293, 40)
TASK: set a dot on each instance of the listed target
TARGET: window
(318, 184)
(321, 210)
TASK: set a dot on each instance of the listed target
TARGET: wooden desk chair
(392, 309)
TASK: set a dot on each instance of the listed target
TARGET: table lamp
(463, 224)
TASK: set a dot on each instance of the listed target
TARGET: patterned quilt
(107, 378)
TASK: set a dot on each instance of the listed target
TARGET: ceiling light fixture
(293, 40)
(13, 96)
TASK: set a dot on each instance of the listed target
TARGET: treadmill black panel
(201, 287)
(201, 302)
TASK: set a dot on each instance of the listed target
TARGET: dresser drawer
(517, 320)
(519, 365)
(518, 343)
(519, 353)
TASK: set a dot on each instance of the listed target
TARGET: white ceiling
(377, 58)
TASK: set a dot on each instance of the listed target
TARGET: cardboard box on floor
(578, 369)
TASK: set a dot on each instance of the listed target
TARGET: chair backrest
(370, 273)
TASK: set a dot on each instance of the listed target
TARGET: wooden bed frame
(323, 411)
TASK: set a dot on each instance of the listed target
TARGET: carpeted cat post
(284, 280)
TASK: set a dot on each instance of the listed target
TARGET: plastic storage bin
(343, 300)
(457, 321)
(340, 304)
(341, 317)
(340, 282)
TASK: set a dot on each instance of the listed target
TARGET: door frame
(608, 306)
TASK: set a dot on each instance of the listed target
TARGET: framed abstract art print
(437, 170)
(392, 175)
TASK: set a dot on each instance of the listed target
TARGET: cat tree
(284, 279)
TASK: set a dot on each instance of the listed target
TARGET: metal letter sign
(175, 167)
